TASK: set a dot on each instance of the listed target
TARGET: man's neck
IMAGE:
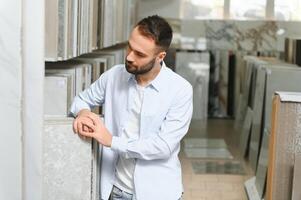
(145, 79)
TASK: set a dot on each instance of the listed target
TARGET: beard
(139, 70)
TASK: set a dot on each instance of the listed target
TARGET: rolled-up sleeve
(162, 144)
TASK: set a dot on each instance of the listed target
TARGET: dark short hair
(158, 29)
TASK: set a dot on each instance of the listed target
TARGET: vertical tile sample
(276, 74)
(284, 144)
(245, 133)
(243, 101)
(51, 30)
(256, 129)
(67, 162)
(261, 172)
(194, 67)
(57, 97)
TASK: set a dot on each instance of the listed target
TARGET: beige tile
(212, 195)
(193, 182)
(231, 178)
(223, 187)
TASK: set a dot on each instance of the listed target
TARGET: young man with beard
(147, 109)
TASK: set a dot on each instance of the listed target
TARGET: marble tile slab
(57, 95)
(80, 73)
(241, 35)
(99, 65)
(194, 67)
(67, 162)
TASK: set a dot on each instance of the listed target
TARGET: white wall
(33, 83)
(10, 100)
(21, 98)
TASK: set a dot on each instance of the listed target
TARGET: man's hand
(89, 124)
(100, 132)
(81, 123)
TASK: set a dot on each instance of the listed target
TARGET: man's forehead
(141, 43)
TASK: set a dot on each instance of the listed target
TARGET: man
(147, 111)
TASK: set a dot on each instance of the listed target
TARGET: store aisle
(214, 178)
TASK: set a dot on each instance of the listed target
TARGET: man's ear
(162, 55)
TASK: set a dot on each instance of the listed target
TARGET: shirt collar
(158, 82)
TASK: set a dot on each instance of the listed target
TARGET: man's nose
(130, 57)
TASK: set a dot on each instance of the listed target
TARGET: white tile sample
(57, 97)
(67, 162)
(194, 67)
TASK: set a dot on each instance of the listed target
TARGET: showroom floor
(214, 177)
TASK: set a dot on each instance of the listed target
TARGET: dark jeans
(118, 194)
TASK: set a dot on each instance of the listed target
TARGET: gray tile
(194, 67)
(245, 133)
(217, 167)
(276, 80)
(261, 172)
(208, 153)
(67, 162)
(256, 129)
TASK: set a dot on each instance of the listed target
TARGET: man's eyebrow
(139, 52)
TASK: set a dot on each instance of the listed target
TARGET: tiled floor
(214, 186)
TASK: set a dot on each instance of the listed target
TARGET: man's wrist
(83, 112)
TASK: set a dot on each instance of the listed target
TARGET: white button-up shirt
(165, 117)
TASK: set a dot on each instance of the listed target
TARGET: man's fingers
(89, 124)
(94, 118)
(85, 128)
(79, 127)
(75, 126)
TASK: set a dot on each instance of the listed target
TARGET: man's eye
(140, 54)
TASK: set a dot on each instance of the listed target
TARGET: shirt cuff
(78, 106)
(119, 144)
